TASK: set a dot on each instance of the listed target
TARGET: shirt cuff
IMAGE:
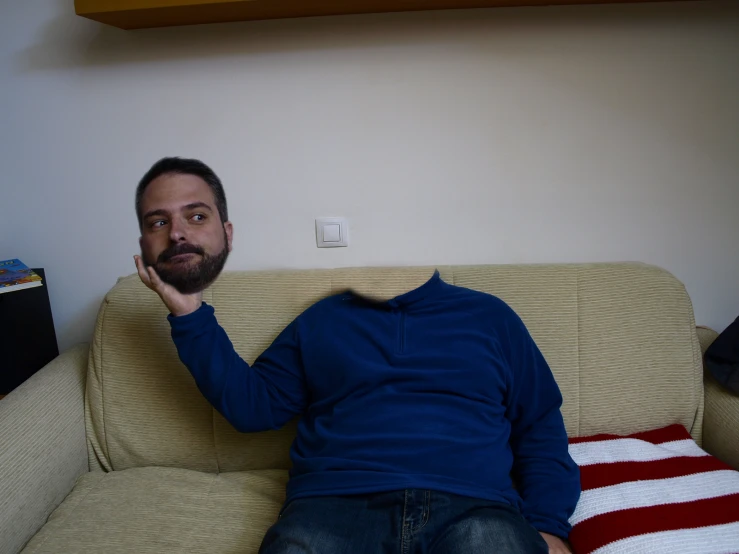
(551, 526)
(193, 320)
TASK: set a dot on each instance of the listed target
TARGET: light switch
(332, 232)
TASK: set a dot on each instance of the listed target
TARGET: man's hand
(177, 303)
(556, 545)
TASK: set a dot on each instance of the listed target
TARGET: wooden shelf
(137, 14)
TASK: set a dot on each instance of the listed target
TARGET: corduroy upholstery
(169, 474)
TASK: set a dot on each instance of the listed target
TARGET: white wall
(487, 136)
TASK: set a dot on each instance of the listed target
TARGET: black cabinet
(27, 336)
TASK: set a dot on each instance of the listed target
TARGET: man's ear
(141, 243)
(229, 228)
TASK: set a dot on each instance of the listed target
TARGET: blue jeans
(409, 521)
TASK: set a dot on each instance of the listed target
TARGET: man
(418, 411)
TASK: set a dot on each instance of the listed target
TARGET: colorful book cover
(15, 275)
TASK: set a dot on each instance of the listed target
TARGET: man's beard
(190, 278)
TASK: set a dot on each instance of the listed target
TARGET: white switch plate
(343, 238)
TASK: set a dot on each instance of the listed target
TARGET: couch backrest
(620, 339)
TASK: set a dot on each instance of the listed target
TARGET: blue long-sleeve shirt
(441, 388)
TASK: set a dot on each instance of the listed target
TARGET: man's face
(183, 237)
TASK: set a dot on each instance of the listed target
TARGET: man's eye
(158, 223)
(199, 217)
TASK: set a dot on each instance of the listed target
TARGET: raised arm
(264, 396)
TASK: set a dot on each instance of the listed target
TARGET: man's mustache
(177, 249)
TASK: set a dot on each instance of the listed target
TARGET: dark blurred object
(27, 336)
(722, 357)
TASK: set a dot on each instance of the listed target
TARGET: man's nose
(177, 231)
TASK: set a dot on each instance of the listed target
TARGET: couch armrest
(721, 413)
(42, 446)
(706, 336)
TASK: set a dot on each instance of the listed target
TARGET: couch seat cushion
(162, 510)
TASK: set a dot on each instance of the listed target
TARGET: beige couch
(116, 450)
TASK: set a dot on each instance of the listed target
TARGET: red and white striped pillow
(653, 492)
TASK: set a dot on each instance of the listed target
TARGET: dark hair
(183, 166)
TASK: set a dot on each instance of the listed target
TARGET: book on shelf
(15, 275)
